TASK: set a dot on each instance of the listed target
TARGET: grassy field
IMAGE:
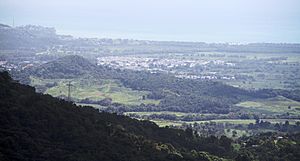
(230, 121)
(277, 105)
(163, 123)
(274, 121)
(178, 114)
(94, 89)
(92, 105)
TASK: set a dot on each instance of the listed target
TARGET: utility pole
(69, 90)
(13, 25)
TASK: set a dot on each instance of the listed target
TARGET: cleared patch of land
(276, 105)
(92, 105)
(93, 89)
(282, 121)
(177, 114)
(230, 121)
(164, 123)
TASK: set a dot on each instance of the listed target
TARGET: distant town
(155, 65)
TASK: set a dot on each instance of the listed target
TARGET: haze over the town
(176, 20)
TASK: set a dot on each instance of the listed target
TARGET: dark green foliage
(185, 95)
(39, 127)
(245, 156)
(270, 147)
(294, 94)
(66, 67)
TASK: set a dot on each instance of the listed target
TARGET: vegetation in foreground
(40, 127)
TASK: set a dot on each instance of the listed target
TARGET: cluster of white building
(162, 65)
(133, 62)
(7, 66)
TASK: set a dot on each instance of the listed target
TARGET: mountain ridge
(39, 37)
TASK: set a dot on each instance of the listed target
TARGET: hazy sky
(184, 20)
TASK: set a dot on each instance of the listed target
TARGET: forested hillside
(39, 37)
(29, 36)
(39, 127)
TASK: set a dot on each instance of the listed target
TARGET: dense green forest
(39, 127)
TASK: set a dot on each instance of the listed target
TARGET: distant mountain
(39, 127)
(38, 37)
(27, 37)
(4, 26)
(65, 67)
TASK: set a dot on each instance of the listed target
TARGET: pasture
(276, 105)
(93, 89)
